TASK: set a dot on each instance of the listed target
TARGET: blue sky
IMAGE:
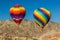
(30, 6)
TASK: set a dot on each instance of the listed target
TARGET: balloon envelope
(17, 13)
(41, 16)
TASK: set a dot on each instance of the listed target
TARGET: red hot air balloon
(17, 13)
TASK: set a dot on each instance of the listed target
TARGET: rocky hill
(9, 29)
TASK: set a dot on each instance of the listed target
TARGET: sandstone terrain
(28, 30)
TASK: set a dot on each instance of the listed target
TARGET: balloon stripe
(39, 20)
(47, 16)
(40, 17)
(45, 11)
(17, 16)
(38, 23)
(17, 10)
(42, 14)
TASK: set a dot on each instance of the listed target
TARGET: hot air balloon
(17, 13)
(41, 17)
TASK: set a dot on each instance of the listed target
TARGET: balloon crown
(17, 5)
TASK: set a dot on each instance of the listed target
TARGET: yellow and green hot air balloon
(41, 16)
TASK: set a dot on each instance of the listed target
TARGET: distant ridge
(26, 28)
